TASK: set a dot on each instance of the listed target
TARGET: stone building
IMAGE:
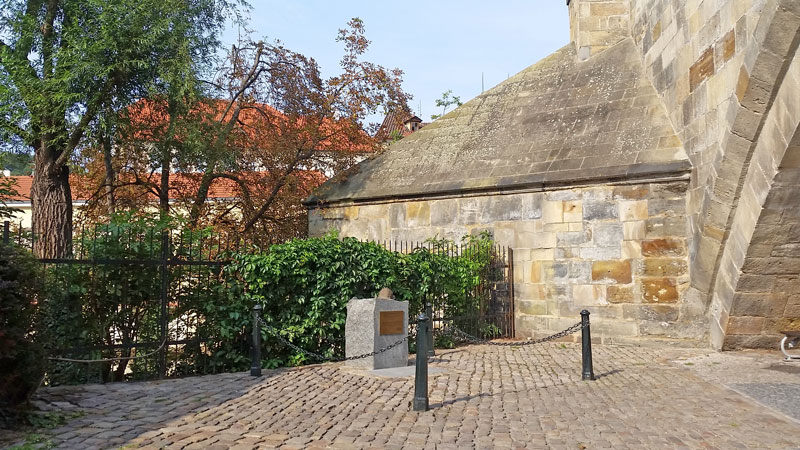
(647, 171)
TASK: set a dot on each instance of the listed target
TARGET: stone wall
(618, 251)
(694, 51)
(725, 70)
(595, 25)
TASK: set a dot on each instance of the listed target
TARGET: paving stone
(486, 397)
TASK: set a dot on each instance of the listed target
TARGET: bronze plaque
(391, 322)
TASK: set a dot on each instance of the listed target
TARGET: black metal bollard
(429, 313)
(586, 347)
(421, 378)
(255, 366)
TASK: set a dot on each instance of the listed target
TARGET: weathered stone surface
(444, 212)
(633, 210)
(362, 333)
(500, 208)
(663, 247)
(418, 214)
(659, 290)
(573, 238)
(533, 308)
(759, 304)
(631, 192)
(620, 294)
(397, 215)
(600, 210)
(612, 271)
(745, 325)
(665, 226)
(523, 132)
(607, 234)
(589, 294)
(702, 69)
(661, 267)
(657, 313)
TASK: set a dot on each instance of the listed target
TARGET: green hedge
(21, 356)
(304, 287)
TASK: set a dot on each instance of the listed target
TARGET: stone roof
(558, 122)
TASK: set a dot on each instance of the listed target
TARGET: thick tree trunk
(52, 206)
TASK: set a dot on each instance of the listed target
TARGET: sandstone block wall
(694, 51)
(619, 251)
(596, 25)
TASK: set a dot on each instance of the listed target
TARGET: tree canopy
(267, 128)
(65, 63)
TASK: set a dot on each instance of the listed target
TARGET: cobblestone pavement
(488, 397)
(761, 375)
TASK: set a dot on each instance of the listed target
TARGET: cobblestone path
(488, 397)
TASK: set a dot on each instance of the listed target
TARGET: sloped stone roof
(559, 121)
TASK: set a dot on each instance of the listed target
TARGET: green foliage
(112, 303)
(447, 100)
(52, 419)
(16, 163)
(7, 191)
(304, 286)
(105, 304)
(63, 59)
(35, 441)
(21, 357)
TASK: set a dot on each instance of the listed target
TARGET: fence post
(421, 378)
(164, 272)
(586, 347)
(429, 313)
(255, 366)
(6, 231)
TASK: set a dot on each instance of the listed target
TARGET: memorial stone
(373, 324)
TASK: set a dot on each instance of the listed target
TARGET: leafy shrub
(105, 304)
(304, 286)
(21, 357)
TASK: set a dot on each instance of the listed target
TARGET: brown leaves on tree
(267, 130)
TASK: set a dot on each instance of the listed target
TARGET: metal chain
(122, 358)
(316, 356)
(453, 331)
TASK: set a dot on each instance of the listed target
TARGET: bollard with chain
(586, 347)
(429, 313)
(421, 378)
(255, 366)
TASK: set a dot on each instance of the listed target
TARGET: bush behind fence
(137, 287)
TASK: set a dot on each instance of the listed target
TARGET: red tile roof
(149, 117)
(395, 124)
(181, 185)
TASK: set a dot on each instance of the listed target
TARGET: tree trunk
(110, 178)
(52, 206)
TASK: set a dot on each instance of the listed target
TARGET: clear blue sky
(440, 45)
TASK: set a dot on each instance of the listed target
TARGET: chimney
(595, 25)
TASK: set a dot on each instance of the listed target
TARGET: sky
(440, 45)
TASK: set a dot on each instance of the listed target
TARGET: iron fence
(132, 300)
(489, 312)
(127, 304)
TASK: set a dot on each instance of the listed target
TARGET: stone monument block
(373, 324)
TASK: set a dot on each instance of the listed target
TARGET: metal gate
(136, 295)
(488, 311)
